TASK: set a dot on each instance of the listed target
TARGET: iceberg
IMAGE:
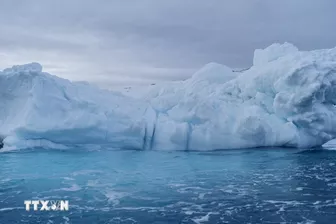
(287, 98)
(41, 110)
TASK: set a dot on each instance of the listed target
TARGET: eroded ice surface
(287, 98)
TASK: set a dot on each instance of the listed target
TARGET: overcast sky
(142, 41)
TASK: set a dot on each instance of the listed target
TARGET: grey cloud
(155, 40)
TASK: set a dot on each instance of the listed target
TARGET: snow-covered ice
(38, 109)
(287, 98)
(273, 52)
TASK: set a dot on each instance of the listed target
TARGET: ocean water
(232, 186)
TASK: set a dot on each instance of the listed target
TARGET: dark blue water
(236, 186)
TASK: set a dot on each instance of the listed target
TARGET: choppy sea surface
(232, 186)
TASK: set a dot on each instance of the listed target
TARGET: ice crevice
(287, 98)
(1, 142)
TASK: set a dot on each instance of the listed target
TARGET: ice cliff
(287, 98)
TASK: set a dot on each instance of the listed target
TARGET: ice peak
(214, 73)
(273, 52)
(33, 67)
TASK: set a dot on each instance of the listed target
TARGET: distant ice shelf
(287, 98)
